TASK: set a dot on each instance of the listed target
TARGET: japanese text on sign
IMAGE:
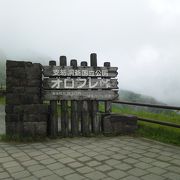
(79, 83)
(80, 72)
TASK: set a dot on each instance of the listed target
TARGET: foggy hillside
(36, 58)
(126, 95)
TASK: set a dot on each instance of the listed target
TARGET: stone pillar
(25, 113)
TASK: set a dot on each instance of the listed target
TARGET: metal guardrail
(153, 106)
(147, 105)
(159, 122)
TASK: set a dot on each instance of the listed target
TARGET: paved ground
(104, 158)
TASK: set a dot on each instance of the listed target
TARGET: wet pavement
(121, 157)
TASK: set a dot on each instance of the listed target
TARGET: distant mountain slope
(125, 95)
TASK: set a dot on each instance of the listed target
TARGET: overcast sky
(141, 37)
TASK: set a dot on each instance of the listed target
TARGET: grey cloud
(141, 37)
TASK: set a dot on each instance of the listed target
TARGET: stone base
(118, 124)
(25, 113)
(14, 128)
(27, 120)
(26, 129)
(35, 128)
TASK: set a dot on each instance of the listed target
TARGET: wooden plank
(64, 118)
(53, 120)
(80, 71)
(74, 118)
(108, 107)
(108, 104)
(95, 104)
(74, 109)
(79, 83)
(95, 119)
(79, 114)
(79, 95)
(93, 59)
(85, 124)
(64, 105)
(53, 124)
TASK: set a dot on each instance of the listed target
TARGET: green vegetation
(20, 139)
(153, 131)
(169, 116)
(160, 133)
(2, 100)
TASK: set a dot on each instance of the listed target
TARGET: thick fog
(141, 37)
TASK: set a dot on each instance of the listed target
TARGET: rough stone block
(12, 64)
(32, 90)
(31, 99)
(13, 118)
(35, 128)
(34, 72)
(14, 128)
(9, 109)
(119, 124)
(15, 82)
(34, 82)
(16, 72)
(15, 90)
(12, 99)
(19, 109)
(23, 89)
(39, 108)
(32, 109)
(18, 99)
(35, 118)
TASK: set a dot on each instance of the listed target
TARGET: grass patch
(154, 131)
(160, 133)
(2, 100)
(172, 116)
(22, 139)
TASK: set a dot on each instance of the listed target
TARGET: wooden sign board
(80, 95)
(80, 83)
(80, 71)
